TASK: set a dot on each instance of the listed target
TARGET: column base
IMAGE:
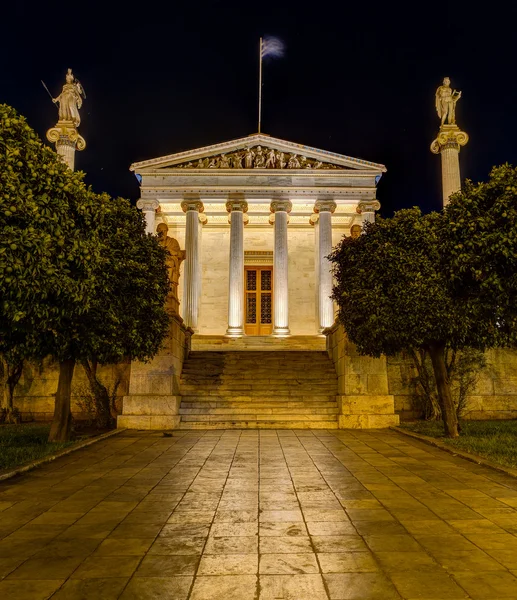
(235, 332)
(281, 332)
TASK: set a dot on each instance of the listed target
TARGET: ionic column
(367, 208)
(148, 207)
(280, 208)
(325, 208)
(236, 207)
(192, 273)
(447, 143)
(67, 140)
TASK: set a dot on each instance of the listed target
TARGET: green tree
(80, 280)
(480, 243)
(127, 317)
(393, 295)
(47, 246)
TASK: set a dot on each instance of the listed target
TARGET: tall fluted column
(367, 208)
(192, 208)
(447, 143)
(149, 209)
(325, 208)
(236, 207)
(280, 208)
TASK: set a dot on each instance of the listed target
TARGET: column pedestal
(280, 208)
(236, 207)
(324, 238)
(192, 208)
(447, 143)
(149, 207)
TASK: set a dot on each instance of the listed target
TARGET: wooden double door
(258, 300)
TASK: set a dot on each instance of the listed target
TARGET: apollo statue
(445, 102)
(70, 100)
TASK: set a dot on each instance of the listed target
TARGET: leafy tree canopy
(80, 280)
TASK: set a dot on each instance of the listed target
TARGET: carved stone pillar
(67, 140)
(236, 207)
(280, 208)
(367, 208)
(148, 207)
(192, 208)
(447, 143)
(324, 208)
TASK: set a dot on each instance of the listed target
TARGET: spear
(51, 97)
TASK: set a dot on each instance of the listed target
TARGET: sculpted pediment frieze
(257, 157)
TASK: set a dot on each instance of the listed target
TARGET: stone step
(230, 401)
(256, 410)
(258, 417)
(259, 391)
(236, 424)
(220, 343)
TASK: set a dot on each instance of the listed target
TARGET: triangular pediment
(258, 151)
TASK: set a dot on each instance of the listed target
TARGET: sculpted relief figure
(281, 162)
(271, 159)
(294, 163)
(174, 259)
(445, 102)
(224, 163)
(237, 160)
(70, 100)
(249, 155)
(259, 158)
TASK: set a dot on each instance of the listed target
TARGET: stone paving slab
(271, 514)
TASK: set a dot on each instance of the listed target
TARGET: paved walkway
(241, 515)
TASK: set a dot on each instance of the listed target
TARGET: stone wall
(35, 393)
(363, 396)
(494, 397)
(153, 398)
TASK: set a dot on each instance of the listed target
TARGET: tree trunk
(4, 375)
(15, 372)
(62, 422)
(450, 419)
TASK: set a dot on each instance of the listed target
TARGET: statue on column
(445, 102)
(70, 100)
(174, 259)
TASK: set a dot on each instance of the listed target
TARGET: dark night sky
(357, 78)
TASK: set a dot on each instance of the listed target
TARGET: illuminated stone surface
(330, 515)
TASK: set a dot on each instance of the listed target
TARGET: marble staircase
(249, 389)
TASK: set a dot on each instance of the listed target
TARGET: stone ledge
(150, 405)
(367, 421)
(367, 404)
(148, 422)
(475, 458)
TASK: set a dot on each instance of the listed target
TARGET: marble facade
(257, 193)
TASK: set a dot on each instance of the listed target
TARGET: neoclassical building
(257, 217)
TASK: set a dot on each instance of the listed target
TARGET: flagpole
(260, 86)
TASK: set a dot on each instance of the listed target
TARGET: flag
(272, 47)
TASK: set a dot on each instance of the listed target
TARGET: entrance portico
(262, 195)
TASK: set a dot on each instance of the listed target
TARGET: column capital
(325, 206)
(281, 205)
(368, 206)
(237, 204)
(192, 204)
(314, 218)
(449, 136)
(147, 205)
(65, 132)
